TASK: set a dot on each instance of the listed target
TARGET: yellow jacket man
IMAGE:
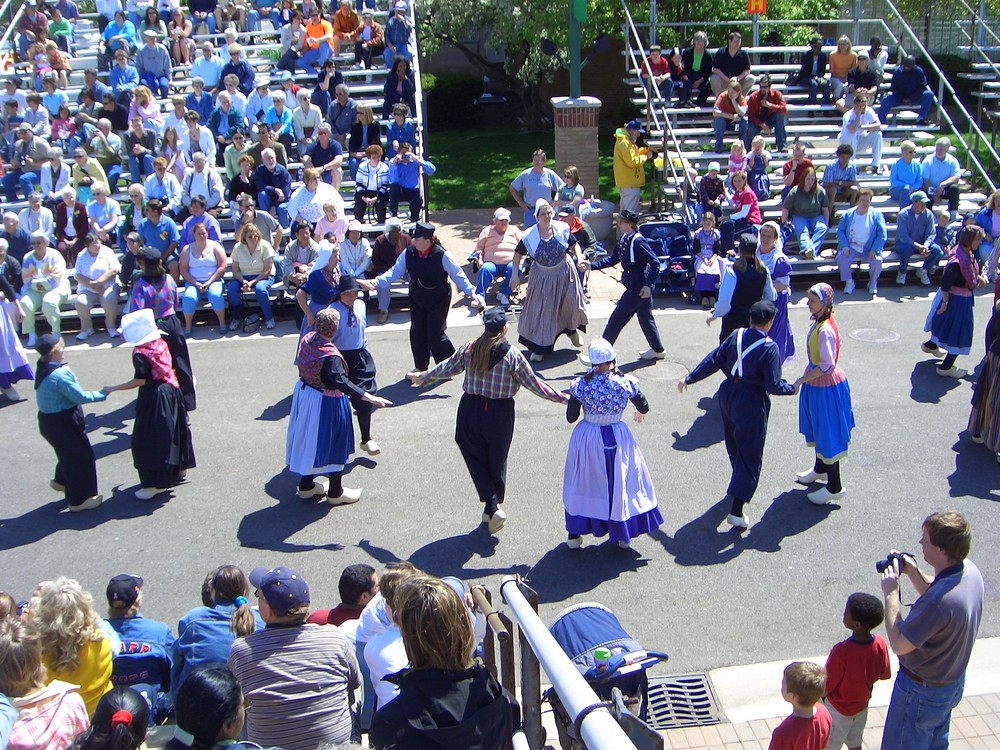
(629, 163)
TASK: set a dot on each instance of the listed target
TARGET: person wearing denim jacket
(847, 242)
(915, 231)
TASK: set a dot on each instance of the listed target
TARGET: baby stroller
(581, 629)
(673, 244)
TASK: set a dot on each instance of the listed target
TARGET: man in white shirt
(37, 217)
(208, 67)
(54, 175)
(863, 130)
(201, 180)
(12, 92)
(197, 138)
(163, 186)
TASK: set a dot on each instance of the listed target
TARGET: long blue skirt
(952, 330)
(826, 419)
(320, 432)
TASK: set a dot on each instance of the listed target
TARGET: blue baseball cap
(282, 588)
(635, 125)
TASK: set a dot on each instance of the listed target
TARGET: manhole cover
(874, 335)
(663, 371)
(681, 701)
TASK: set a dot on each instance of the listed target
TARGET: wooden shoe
(936, 351)
(148, 493)
(316, 489)
(823, 496)
(739, 522)
(56, 486)
(89, 504)
(497, 521)
(371, 448)
(349, 496)
(952, 372)
(624, 544)
(810, 477)
(574, 543)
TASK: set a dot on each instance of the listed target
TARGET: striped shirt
(297, 682)
(503, 380)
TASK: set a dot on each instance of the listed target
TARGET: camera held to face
(881, 565)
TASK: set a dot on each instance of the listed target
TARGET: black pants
(952, 194)
(744, 421)
(632, 304)
(484, 429)
(364, 53)
(76, 465)
(428, 321)
(381, 204)
(397, 194)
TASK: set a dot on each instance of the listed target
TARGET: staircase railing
(655, 103)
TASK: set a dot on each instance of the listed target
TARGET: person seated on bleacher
(104, 214)
(160, 232)
(861, 235)
(133, 211)
(258, 102)
(345, 22)
(45, 285)
(399, 130)
(18, 239)
(812, 71)
(198, 213)
(93, 85)
(203, 263)
(32, 25)
(36, 216)
(906, 175)
(239, 67)
(197, 138)
(655, 72)
(86, 171)
(123, 77)
(265, 141)
(224, 122)
(807, 207)
(365, 131)
(30, 153)
(305, 121)
(270, 230)
(106, 147)
(730, 111)
(398, 33)
(342, 114)
(355, 253)
(139, 145)
(72, 225)
(253, 271)
(989, 220)
(878, 55)
(118, 36)
(405, 170)
(372, 185)
(172, 149)
(292, 37)
(208, 67)
(399, 87)
(96, 274)
(201, 181)
(712, 191)
(327, 81)
(941, 173)
(840, 178)
(179, 31)
(326, 155)
(237, 97)
(290, 89)
(115, 113)
(12, 92)
(240, 184)
(147, 107)
(260, 10)
(745, 217)
(863, 80)
(333, 222)
(37, 116)
(300, 255)
(862, 130)
(8, 129)
(731, 62)
(766, 112)
(915, 234)
(279, 119)
(385, 251)
(369, 41)
(794, 168)
(153, 63)
(198, 100)
(60, 30)
(909, 89)
(307, 201)
(842, 62)
(317, 44)
(273, 184)
(697, 61)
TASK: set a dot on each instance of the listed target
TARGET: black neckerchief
(44, 370)
(498, 353)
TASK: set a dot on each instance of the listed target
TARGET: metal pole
(574, 53)
(982, 26)
(652, 22)
(531, 684)
(599, 730)
(857, 21)
(756, 29)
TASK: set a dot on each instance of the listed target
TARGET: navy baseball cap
(635, 125)
(282, 588)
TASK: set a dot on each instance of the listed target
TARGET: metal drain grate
(681, 701)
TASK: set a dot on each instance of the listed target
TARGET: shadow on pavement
(926, 386)
(975, 470)
(111, 424)
(52, 517)
(277, 412)
(450, 556)
(705, 431)
(403, 392)
(270, 528)
(599, 561)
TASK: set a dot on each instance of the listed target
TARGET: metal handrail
(418, 100)
(11, 30)
(974, 47)
(652, 94)
(598, 727)
(984, 26)
(944, 84)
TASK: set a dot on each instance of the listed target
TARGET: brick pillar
(576, 137)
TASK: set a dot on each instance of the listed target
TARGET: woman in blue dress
(607, 489)
(772, 255)
(555, 303)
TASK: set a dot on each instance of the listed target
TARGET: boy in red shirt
(852, 669)
(808, 728)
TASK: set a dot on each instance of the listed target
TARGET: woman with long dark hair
(156, 290)
(120, 722)
(744, 282)
(951, 320)
(494, 373)
(209, 711)
(826, 417)
(60, 421)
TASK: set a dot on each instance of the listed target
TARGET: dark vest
(428, 279)
(749, 290)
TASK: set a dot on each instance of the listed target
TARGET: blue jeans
(776, 123)
(490, 271)
(810, 232)
(234, 294)
(905, 252)
(159, 86)
(815, 85)
(720, 125)
(264, 203)
(139, 168)
(529, 218)
(901, 195)
(313, 59)
(255, 16)
(926, 100)
(191, 296)
(919, 716)
(209, 20)
(27, 179)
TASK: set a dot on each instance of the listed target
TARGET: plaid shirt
(503, 380)
(61, 391)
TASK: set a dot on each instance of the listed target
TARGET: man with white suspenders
(752, 365)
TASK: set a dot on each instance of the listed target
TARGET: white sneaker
(348, 496)
(148, 493)
(901, 278)
(371, 448)
(873, 289)
(739, 522)
(497, 521)
(823, 496)
(574, 543)
(32, 340)
(575, 339)
(810, 477)
(85, 334)
(925, 278)
(652, 354)
(849, 287)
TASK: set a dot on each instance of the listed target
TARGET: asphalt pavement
(707, 595)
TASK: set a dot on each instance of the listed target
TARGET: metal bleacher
(685, 136)
(262, 50)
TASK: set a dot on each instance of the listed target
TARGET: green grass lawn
(475, 167)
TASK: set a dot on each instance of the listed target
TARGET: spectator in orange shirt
(318, 44)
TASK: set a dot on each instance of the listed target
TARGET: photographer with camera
(934, 642)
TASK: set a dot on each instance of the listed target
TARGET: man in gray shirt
(29, 154)
(915, 233)
(153, 62)
(934, 642)
(537, 182)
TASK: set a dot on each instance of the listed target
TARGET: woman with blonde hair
(49, 715)
(144, 105)
(73, 647)
(459, 702)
